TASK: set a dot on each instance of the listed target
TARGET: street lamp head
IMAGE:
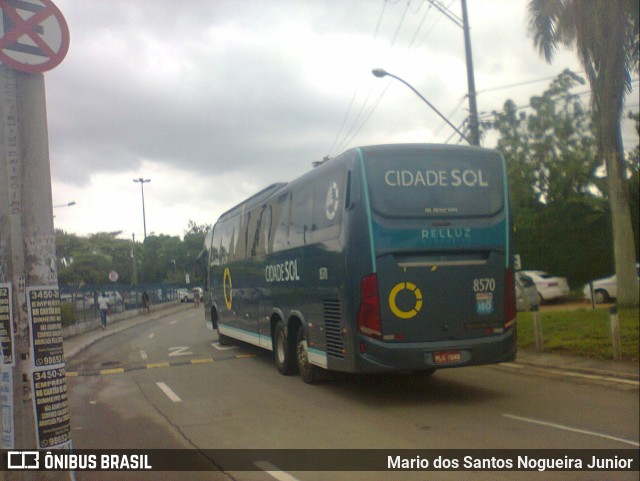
(379, 72)
(68, 204)
(141, 180)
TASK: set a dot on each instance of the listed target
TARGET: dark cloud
(201, 88)
(215, 99)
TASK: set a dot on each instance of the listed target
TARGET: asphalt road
(167, 384)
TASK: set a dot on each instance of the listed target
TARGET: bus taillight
(369, 322)
(509, 299)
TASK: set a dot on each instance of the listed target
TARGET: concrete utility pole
(474, 127)
(474, 124)
(28, 264)
(35, 403)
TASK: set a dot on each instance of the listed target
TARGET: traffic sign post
(34, 38)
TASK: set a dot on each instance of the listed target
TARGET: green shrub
(68, 314)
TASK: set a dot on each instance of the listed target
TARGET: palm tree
(605, 33)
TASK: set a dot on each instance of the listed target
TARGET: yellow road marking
(117, 370)
(201, 361)
(157, 365)
(121, 370)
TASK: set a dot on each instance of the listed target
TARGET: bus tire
(308, 372)
(283, 350)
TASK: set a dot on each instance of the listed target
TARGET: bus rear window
(434, 183)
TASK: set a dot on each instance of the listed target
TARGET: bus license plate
(447, 357)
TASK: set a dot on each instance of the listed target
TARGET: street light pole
(144, 217)
(379, 72)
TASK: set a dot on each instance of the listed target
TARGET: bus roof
(382, 148)
(252, 201)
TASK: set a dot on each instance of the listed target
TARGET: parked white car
(185, 295)
(549, 287)
(605, 289)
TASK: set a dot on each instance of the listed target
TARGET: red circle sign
(34, 36)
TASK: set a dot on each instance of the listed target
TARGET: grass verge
(582, 332)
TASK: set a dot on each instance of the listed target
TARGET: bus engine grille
(333, 327)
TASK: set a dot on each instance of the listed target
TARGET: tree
(552, 168)
(606, 35)
(161, 258)
(194, 228)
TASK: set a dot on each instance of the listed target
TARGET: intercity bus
(386, 258)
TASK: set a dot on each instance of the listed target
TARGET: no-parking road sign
(34, 36)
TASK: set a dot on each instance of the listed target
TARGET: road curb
(604, 369)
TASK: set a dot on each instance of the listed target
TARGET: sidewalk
(626, 370)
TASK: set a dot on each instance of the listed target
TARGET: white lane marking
(143, 355)
(179, 351)
(274, 472)
(167, 390)
(152, 335)
(216, 345)
(569, 428)
(173, 322)
(512, 365)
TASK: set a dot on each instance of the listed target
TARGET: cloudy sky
(212, 100)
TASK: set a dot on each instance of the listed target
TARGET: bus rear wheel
(308, 372)
(283, 350)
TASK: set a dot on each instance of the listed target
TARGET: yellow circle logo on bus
(401, 286)
(228, 299)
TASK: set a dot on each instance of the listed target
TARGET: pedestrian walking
(196, 298)
(146, 302)
(105, 308)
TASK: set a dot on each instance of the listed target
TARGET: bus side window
(267, 229)
(301, 213)
(227, 242)
(281, 221)
(328, 204)
(256, 230)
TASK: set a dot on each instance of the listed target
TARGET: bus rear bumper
(380, 356)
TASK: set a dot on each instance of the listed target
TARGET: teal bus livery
(385, 258)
